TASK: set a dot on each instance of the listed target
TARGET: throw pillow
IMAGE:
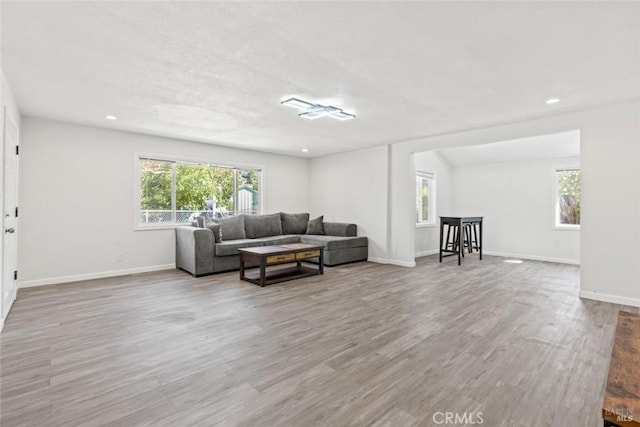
(294, 223)
(256, 226)
(316, 226)
(232, 228)
(215, 227)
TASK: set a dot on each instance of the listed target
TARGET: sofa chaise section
(341, 243)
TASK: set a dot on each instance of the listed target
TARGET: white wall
(427, 237)
(516, 199)
(352, 187)
(610, 185)
(9, 101)
(77, 197)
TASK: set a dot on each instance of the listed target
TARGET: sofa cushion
(279, 240)
(335, 242)
(215, 227)
(262, 225)
(315, 226)
(230, 247)
(340, 229)
(232, 228)
(294, 223)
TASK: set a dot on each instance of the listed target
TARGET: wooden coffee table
(265, 256)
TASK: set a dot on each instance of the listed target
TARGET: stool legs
(458, 238)
(454, 243)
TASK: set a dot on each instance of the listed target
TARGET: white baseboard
(401, 263)
(91, 276)
(392, 262)
(533, 257)
(614, 299)
(13, 299)
(378, 260)
(426, 253)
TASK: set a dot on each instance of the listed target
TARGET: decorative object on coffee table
(266, 256)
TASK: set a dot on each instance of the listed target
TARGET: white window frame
(137, 196)
(432, 198)
(556, 205)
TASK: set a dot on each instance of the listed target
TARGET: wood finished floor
(365, 344)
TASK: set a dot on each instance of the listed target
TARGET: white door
(10, 242)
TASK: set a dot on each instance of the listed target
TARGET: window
(425, 198)
(173, 192)
(567, 198)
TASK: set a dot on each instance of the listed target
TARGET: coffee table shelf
(267, 256)
(281, 275)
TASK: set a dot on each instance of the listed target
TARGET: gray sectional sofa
(211, 247)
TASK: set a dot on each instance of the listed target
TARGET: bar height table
(460, 222)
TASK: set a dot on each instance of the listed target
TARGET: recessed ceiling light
(111, 117)
(553, 100)
(305, 150)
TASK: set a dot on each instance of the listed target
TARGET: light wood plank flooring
(364, 344)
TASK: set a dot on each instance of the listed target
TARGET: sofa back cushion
(256, 226)
(316, 225)
(215, 227)
(294, 223)
(198, 221)
(232, 228)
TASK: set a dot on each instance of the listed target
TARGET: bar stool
(452, 242)
(471, 236)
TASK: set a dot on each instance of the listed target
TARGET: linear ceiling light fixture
(310, 110)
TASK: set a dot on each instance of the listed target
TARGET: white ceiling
(553, 146)
(217, 71)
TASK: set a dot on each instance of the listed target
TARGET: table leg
(263, 272)
(460, 243)
(241, 266)
(481, 245)
(321, 265)
(441, 234)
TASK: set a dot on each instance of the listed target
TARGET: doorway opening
(527, 189)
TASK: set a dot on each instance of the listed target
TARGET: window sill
(156, 227)
(567, 227)
(426, 225)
